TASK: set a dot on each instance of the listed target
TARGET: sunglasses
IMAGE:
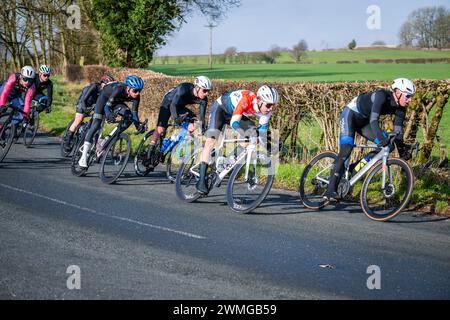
(25, 79)
(206, 90)
(45, 75)
(136, 90)
(407, 95)
(269, 105)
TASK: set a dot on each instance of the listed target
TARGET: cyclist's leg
(96, 125)
(162, 123)
(217, 119)
(346, 143)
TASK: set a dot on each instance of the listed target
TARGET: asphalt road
(136, 240)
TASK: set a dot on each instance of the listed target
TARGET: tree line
(116, 33)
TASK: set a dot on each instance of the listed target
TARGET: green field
(326, 56)
(311, 72)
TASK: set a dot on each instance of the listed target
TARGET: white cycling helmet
(404, 85)
(28, 72)
(203, 82)
(268, 94)
(45, 69)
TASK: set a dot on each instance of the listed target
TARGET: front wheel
(7, 134)
(115, 158)
(31, 129)
(64, 152)
(315, 179)
(141, 154)
(384, 204)
(246, 189)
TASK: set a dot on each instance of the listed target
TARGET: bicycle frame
(247, 153)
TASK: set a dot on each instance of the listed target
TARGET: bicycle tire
(366, 207)
(141, 154)
(11, 128)
(235, 203)
(30, 133)
(64, 153)
(185, 177)
(111, 150)
(319, 186)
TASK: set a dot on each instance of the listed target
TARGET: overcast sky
(258, 24)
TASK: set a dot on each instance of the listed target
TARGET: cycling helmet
(106, 79)
(404, 85)
(203, 82)
(268, 94)
(45, 69)
(134, 82)
(28, 72)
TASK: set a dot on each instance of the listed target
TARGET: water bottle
(165, 144)
(362, 163)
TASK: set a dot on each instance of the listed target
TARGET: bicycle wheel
(65, 153)
(7, 134)
(31, 129)
(78, 151)
(141, 155)
(186, 179)
(182, 151)
(382, 205)
(315, 178)
(115, 158)
(245, 192)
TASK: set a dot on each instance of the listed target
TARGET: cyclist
(43, 82)
(234, 108)
(85, 105)
(110, 101)
(19, 89)
(362, 115)
(174, 104)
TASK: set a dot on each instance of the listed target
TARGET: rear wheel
(115, 158)
(31, 129)
(64, 152)
(315, 179)
(187, 178)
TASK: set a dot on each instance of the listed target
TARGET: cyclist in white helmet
(174, 104)
(234, 108)
(19, 89)
(43, 83)
(362, 115)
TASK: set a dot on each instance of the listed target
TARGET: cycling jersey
(88, 97)
(367, 109)
(176, 101)
(40, 87)
(113, 94)
(12, 91)
(240, 103)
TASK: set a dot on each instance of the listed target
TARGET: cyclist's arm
(50, 94)
(400, 116)
(135, 112)
(28, 98)
(176, 102)
(378, 102)
(7, 89)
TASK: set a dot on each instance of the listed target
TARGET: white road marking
(65, 203)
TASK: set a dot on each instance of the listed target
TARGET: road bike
(29, 127)
(8, 124)
(112, 152)
(170, 151)
(385, 192)
(250, 180)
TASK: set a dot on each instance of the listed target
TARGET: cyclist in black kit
(174, 104)
(362, 115)
(43, 83)
(85, 105)
(112, 99)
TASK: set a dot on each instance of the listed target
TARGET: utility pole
(210, 26)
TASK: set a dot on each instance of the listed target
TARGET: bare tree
(299, 50)
(230, 54)
(273, 53)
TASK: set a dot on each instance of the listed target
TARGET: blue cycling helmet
(134, 82)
